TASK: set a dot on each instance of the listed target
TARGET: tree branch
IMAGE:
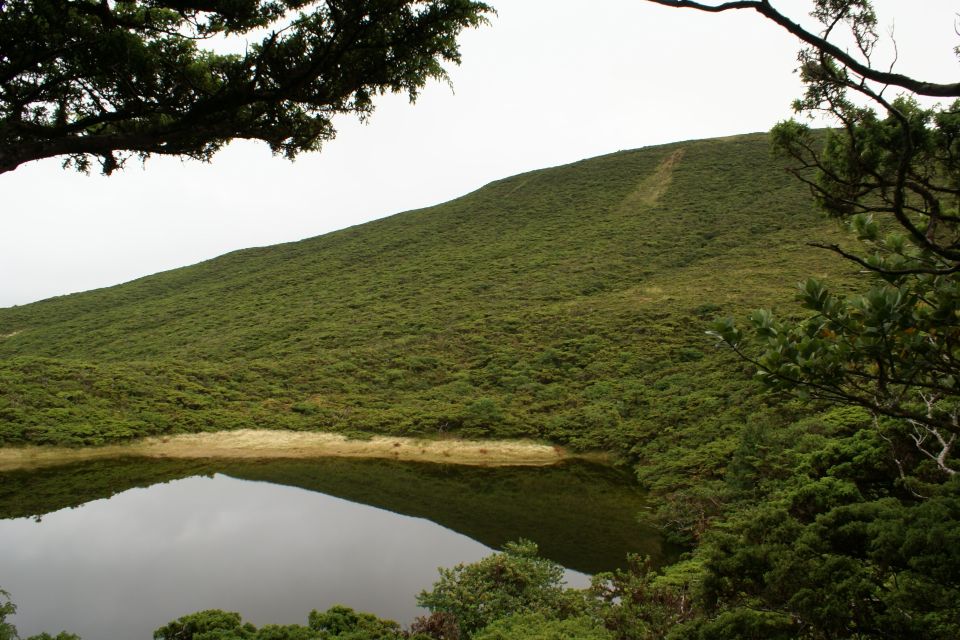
(887, 272)
(764, 8)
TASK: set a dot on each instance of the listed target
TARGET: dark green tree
(212, 624)
(337, 623)
(89, 80)
(859, 541)
(7, 608)
(346, 624)
(537, 626)
(516, 581)
(890, 172)
(9, 632)
(635, 603)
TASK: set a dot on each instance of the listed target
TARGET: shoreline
(265, 443)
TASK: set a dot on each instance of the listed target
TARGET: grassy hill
(568, 304)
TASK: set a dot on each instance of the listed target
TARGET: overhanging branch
(764, 8)
(887, 272)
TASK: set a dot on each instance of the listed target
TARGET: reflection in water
(122, 567)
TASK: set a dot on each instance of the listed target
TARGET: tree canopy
(516, 581)
(858, 539)
(890, 173)
(101, 81)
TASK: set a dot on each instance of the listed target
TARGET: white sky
(547, 83)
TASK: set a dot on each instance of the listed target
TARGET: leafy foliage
(7, 608)
(86, 79)
(893, 349)
(337, 623)
(515, 581)
(842, 541)
(343, 622)
(567, 305)
(9, 632)
(536, 626)
(831, 545)
(212, 624)
(636, 604)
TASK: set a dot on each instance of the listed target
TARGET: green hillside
(567, 304)
(622, 232)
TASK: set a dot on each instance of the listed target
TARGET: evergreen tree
(89, 80)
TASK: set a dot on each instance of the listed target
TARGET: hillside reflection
(584, 516)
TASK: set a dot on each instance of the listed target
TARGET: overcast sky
(547, 83)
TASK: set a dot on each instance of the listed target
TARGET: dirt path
(294, 444)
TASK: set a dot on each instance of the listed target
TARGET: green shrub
(514, 581)
(537, 626)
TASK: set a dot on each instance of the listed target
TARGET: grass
(274, 444)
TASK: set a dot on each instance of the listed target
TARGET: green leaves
(343, 623)
(843, 547)
(7, 608)
(212, 624)
(337, 623)
(515, 581)
(726, 330)
(537, 626)
(103, 82)
(877, 349)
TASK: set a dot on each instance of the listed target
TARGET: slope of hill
(527, 244)
(567, 304)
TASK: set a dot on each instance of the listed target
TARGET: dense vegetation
(568, 304)
(105, 81)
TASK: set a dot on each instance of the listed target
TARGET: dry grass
(287, 444)
(651, 188)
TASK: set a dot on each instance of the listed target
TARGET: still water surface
(115, 549)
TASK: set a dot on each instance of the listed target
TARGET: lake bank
(249, 443)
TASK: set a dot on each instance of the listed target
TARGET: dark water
(115, 549)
